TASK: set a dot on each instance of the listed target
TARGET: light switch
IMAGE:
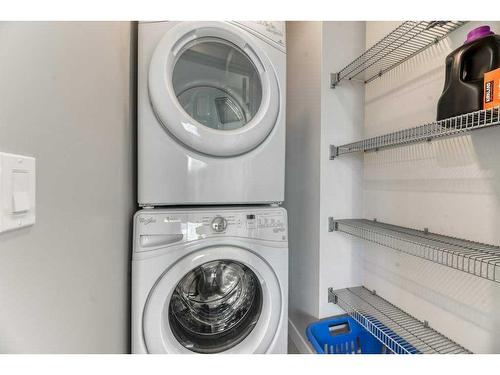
(17, 191)
(20, 180)
(21, 202)
(20, 191)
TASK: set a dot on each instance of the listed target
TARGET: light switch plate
(17, 191)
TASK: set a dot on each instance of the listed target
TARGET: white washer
(211, 112)
(210, 280)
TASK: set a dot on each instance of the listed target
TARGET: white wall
(451, 186)
(65, 99)
(341, 192)
(302, 188)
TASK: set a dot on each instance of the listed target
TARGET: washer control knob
(219, 224)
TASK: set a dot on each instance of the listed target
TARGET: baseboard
(299, 339)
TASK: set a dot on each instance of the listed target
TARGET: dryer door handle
(155, 240)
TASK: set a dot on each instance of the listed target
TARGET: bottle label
(488, 91)
(491, 96)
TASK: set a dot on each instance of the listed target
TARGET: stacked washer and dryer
(210, 252)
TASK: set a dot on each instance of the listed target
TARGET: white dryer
(211, 113)
(210, 280)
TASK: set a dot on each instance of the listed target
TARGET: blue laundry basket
(343, 335)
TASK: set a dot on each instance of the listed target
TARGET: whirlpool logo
(147, 220)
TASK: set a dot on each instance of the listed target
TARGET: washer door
(216, 300)
(213, 89)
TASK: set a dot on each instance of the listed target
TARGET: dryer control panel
(272, 31)
(167, 227)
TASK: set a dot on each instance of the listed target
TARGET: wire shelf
(452, 126)
(398, 331)
(404, 42)
(475, 258)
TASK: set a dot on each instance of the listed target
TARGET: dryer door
(216, 300)
(213, 89)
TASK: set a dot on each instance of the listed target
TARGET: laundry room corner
(206, 186)
(317, 117)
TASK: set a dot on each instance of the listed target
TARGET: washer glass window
(215, 306)
(217, 84)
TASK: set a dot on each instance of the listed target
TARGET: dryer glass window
(217, 84)
(215, 306)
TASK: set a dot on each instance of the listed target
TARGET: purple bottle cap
(478, 32)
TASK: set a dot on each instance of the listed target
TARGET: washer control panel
(162, 228)
(255, 225)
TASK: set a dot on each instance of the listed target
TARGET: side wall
(302, 189)
(341, 192)
(65, 98)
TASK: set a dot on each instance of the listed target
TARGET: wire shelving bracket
(475, 258)
(398, 331)
(401, 44)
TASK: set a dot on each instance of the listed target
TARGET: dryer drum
(215, 306)
(217, 84)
